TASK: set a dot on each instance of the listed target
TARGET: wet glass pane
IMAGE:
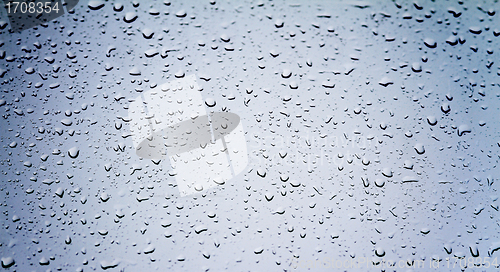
(250, 136)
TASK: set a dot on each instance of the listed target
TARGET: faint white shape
(205, 150)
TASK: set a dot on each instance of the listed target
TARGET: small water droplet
(380, 252)
(95, 5)
(419, 148)
(135, 71)
(181, 13)
(225, 38)
(130, 17)
(431, 120)
(429, 42)
(118, 7)
(279, 23)
(210, 102)
(286, 73)
(7, 262)
(73, 152)
(463, 129)
(104, 197)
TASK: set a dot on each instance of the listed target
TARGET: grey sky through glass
(369, 131)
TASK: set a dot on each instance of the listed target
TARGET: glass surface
(252, 136)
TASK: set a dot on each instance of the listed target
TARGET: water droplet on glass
(429, 42)
(95, 5)
(73, 152)
(135, 71)
(219, 181)
(286, 73)
(7, 262)
(419, 148)
(130, 17)
(463, 129)
(104, 197)
(118, 7)
(279, 23)
(431, 120)
(210, 102)
(181, 13)
(147, 33)
(380, 252)
(379, 182)
(261, 172)
(387, 172)
(225, 38)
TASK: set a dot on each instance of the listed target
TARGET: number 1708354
(32, 7)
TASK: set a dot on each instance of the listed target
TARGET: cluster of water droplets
(372, 130)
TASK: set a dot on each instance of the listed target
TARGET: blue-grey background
(372, 129)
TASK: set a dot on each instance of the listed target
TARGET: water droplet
(409, 179)
(261, 172)
(104, 197)
(200, 228)
(147, 33)
(445, 107)
(135, 71)
(387, 172)
(379, 182)
(118, 7)
(432, 120)
(198, 187)
(44, 261)
(7, 262)
(366, 183)
(181, 13)
(225, 38)
(219, 181)
(29, 70)
(416, 67)
(180, 74)
(73, 152)
(463, 129)
(447, 248)
(130, 17)
(269, 196)
(258, 250)
(475, 30)
(419, 148)
(408, 164)
(95, 5)
(429, 42)
(286, 73)
(210, 102)
(59, 192)
(385, 81)
(149, 249)
(66, 122)
(280, 210)
(380, 252)
(328, 84)
(279, 23)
